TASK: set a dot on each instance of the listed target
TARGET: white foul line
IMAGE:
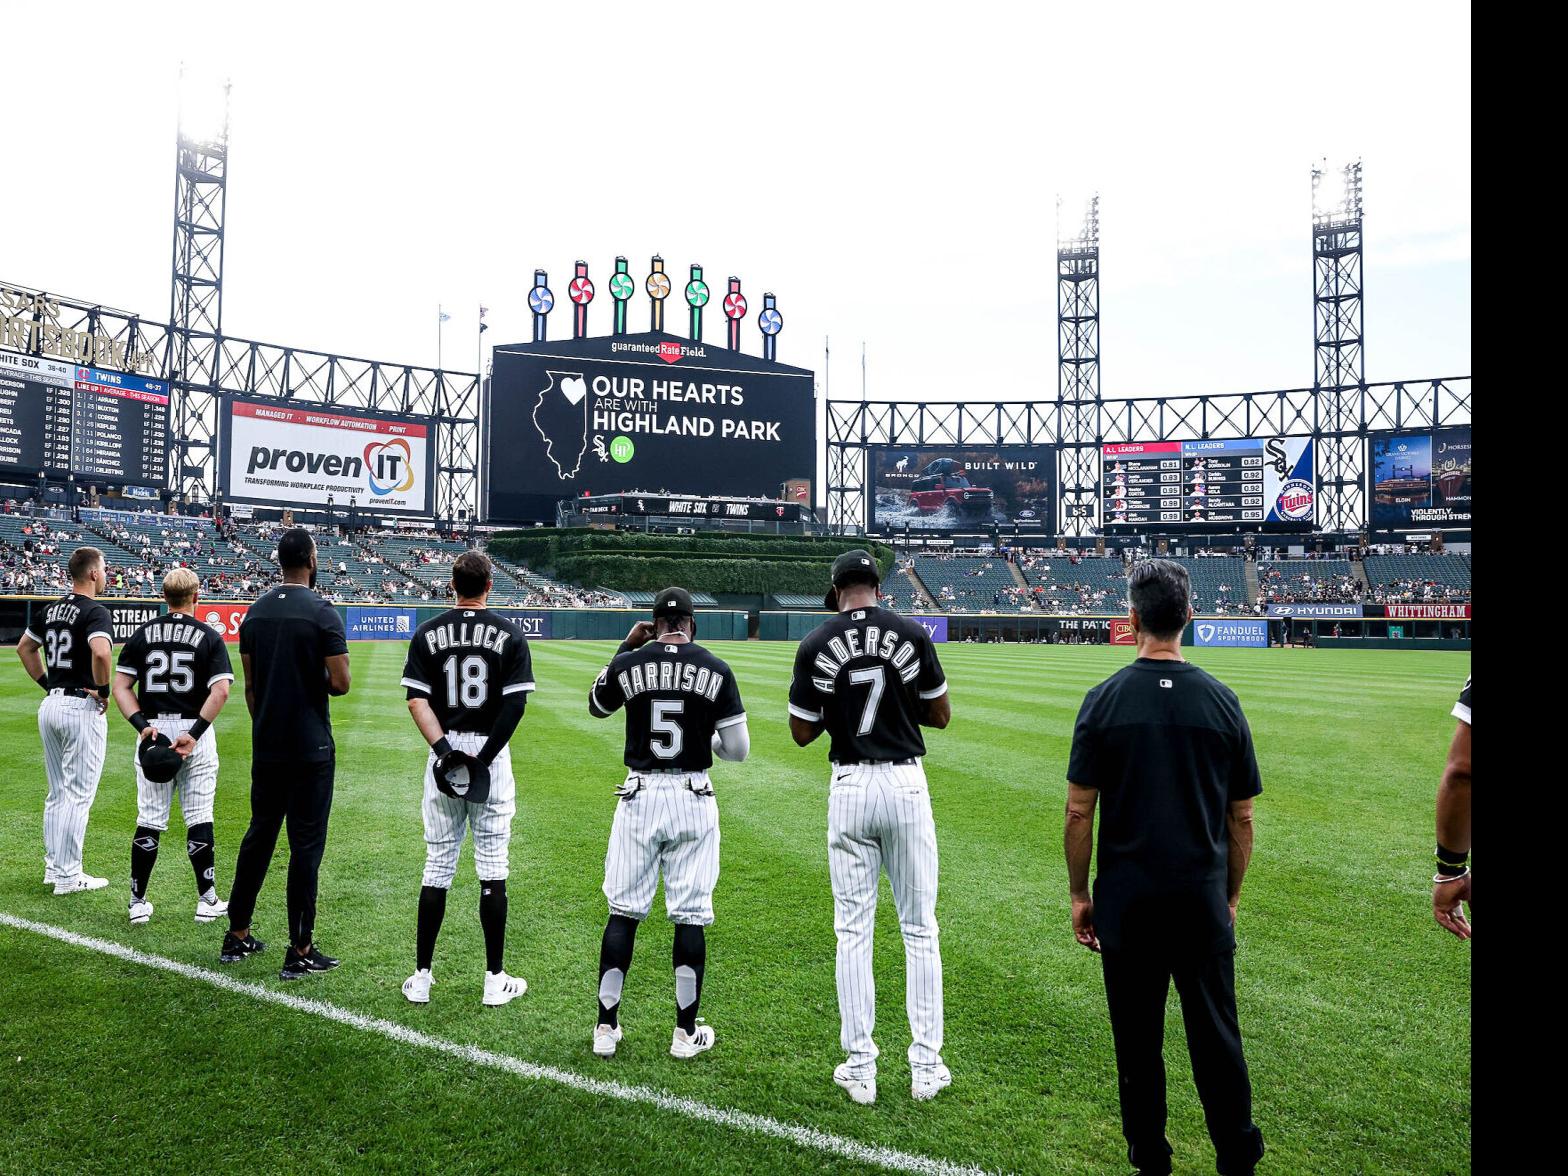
(808, 1137)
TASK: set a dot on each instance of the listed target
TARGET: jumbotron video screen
(951, 488)
(1421, 480)
(1254, 481)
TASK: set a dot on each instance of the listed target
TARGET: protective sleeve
(506, 721)
(732, 742)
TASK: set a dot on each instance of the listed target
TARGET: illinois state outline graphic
(561, 417)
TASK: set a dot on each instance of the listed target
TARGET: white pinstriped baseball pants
(447, 819)
(75, 737)
(664, 827)
(879, 817)
(196, 781)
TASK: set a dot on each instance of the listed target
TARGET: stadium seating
(1219, 585)
(1073, 585)
(1417, 578)
(966, 583)
(1294, 581)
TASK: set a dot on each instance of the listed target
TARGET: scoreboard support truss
(1340, 421)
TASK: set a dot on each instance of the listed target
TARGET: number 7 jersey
(866, 676)
(676, 695)
(464, 662)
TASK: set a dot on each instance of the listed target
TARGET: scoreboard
(1258, 481)
(61, 418)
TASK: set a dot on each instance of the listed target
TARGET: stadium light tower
(1078, 363)
(1339, 360)
(196, 290)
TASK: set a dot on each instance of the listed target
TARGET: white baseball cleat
(209, 907)
(501, 988)
(701, 1040)
(605, 1039)
(79, 883)
(417, 986)
(926, 1084)
(860, 1090)
(140, 911)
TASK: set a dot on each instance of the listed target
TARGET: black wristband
(441, 746)
(1451, 862)
(139, 721)
(102, 691)
(199, 728)
(43, 681)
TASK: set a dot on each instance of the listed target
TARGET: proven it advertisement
(283, 453)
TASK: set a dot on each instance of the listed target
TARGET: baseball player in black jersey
(1451, 883)
(69, 654)
(682, 706)
(179, 668)
(871, 679)
(468, 677)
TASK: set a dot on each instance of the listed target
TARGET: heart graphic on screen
(574, 388)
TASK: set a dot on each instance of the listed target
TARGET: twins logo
(389, 466)
(1295, 499)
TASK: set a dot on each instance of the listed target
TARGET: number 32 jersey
(676, 696)
(464, 662)
(866, 676)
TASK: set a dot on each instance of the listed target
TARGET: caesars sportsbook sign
(284, 453)
(646, 413)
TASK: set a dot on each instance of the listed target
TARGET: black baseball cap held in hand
(463, 777)
(853, 567)
(674, 603)
(160, 762)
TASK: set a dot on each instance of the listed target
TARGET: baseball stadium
(457, 673)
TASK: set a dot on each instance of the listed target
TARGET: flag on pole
(483, 326)
(444, 316)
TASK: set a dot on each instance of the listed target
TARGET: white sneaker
(605, 1039)
(79, 883)
(928, 1083)
(209, 907)
(140, 911)
(417, 986)
(860, 1090)
(501, 988)
(682, 1046)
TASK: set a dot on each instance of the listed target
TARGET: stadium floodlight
(204, 108)
(1336, 191)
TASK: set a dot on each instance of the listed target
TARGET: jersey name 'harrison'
(482, 636)
(670, 675)
(885, 644)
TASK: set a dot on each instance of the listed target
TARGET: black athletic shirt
(175, 659)
(866, 675)
(463, 663)
(1461, 709)
(1169, 749)
(289, 634)
(68, 624)
(676, 695)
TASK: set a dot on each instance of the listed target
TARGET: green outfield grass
(1355, 1007)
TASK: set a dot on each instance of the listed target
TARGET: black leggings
(301, 795)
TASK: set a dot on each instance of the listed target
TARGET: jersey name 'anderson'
(661, 675)
(886, 644)
(481, 635)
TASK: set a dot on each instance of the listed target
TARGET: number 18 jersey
(464, 662)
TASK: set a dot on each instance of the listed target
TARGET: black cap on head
(674, 603)
(853, 567)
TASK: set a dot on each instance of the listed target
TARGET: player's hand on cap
(1083, 923)
(184, 744)
(1448, 899)
(147, 732)
(641, 634)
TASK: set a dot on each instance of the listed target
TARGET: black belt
(73, 692)
(903, 763)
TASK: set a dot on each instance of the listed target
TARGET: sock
(615, 958)
(691, 954)
(198, 844)
(492, 917)
(144, 852)
(432, 909)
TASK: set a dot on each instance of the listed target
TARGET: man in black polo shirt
(1166, 750)
(295, 655)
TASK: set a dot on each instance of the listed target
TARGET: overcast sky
(889, 170)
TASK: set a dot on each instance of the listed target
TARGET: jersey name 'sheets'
(68, 625)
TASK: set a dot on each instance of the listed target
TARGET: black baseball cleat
(297, 967)
(236, 949)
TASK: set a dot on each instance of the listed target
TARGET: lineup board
(1258, 481)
